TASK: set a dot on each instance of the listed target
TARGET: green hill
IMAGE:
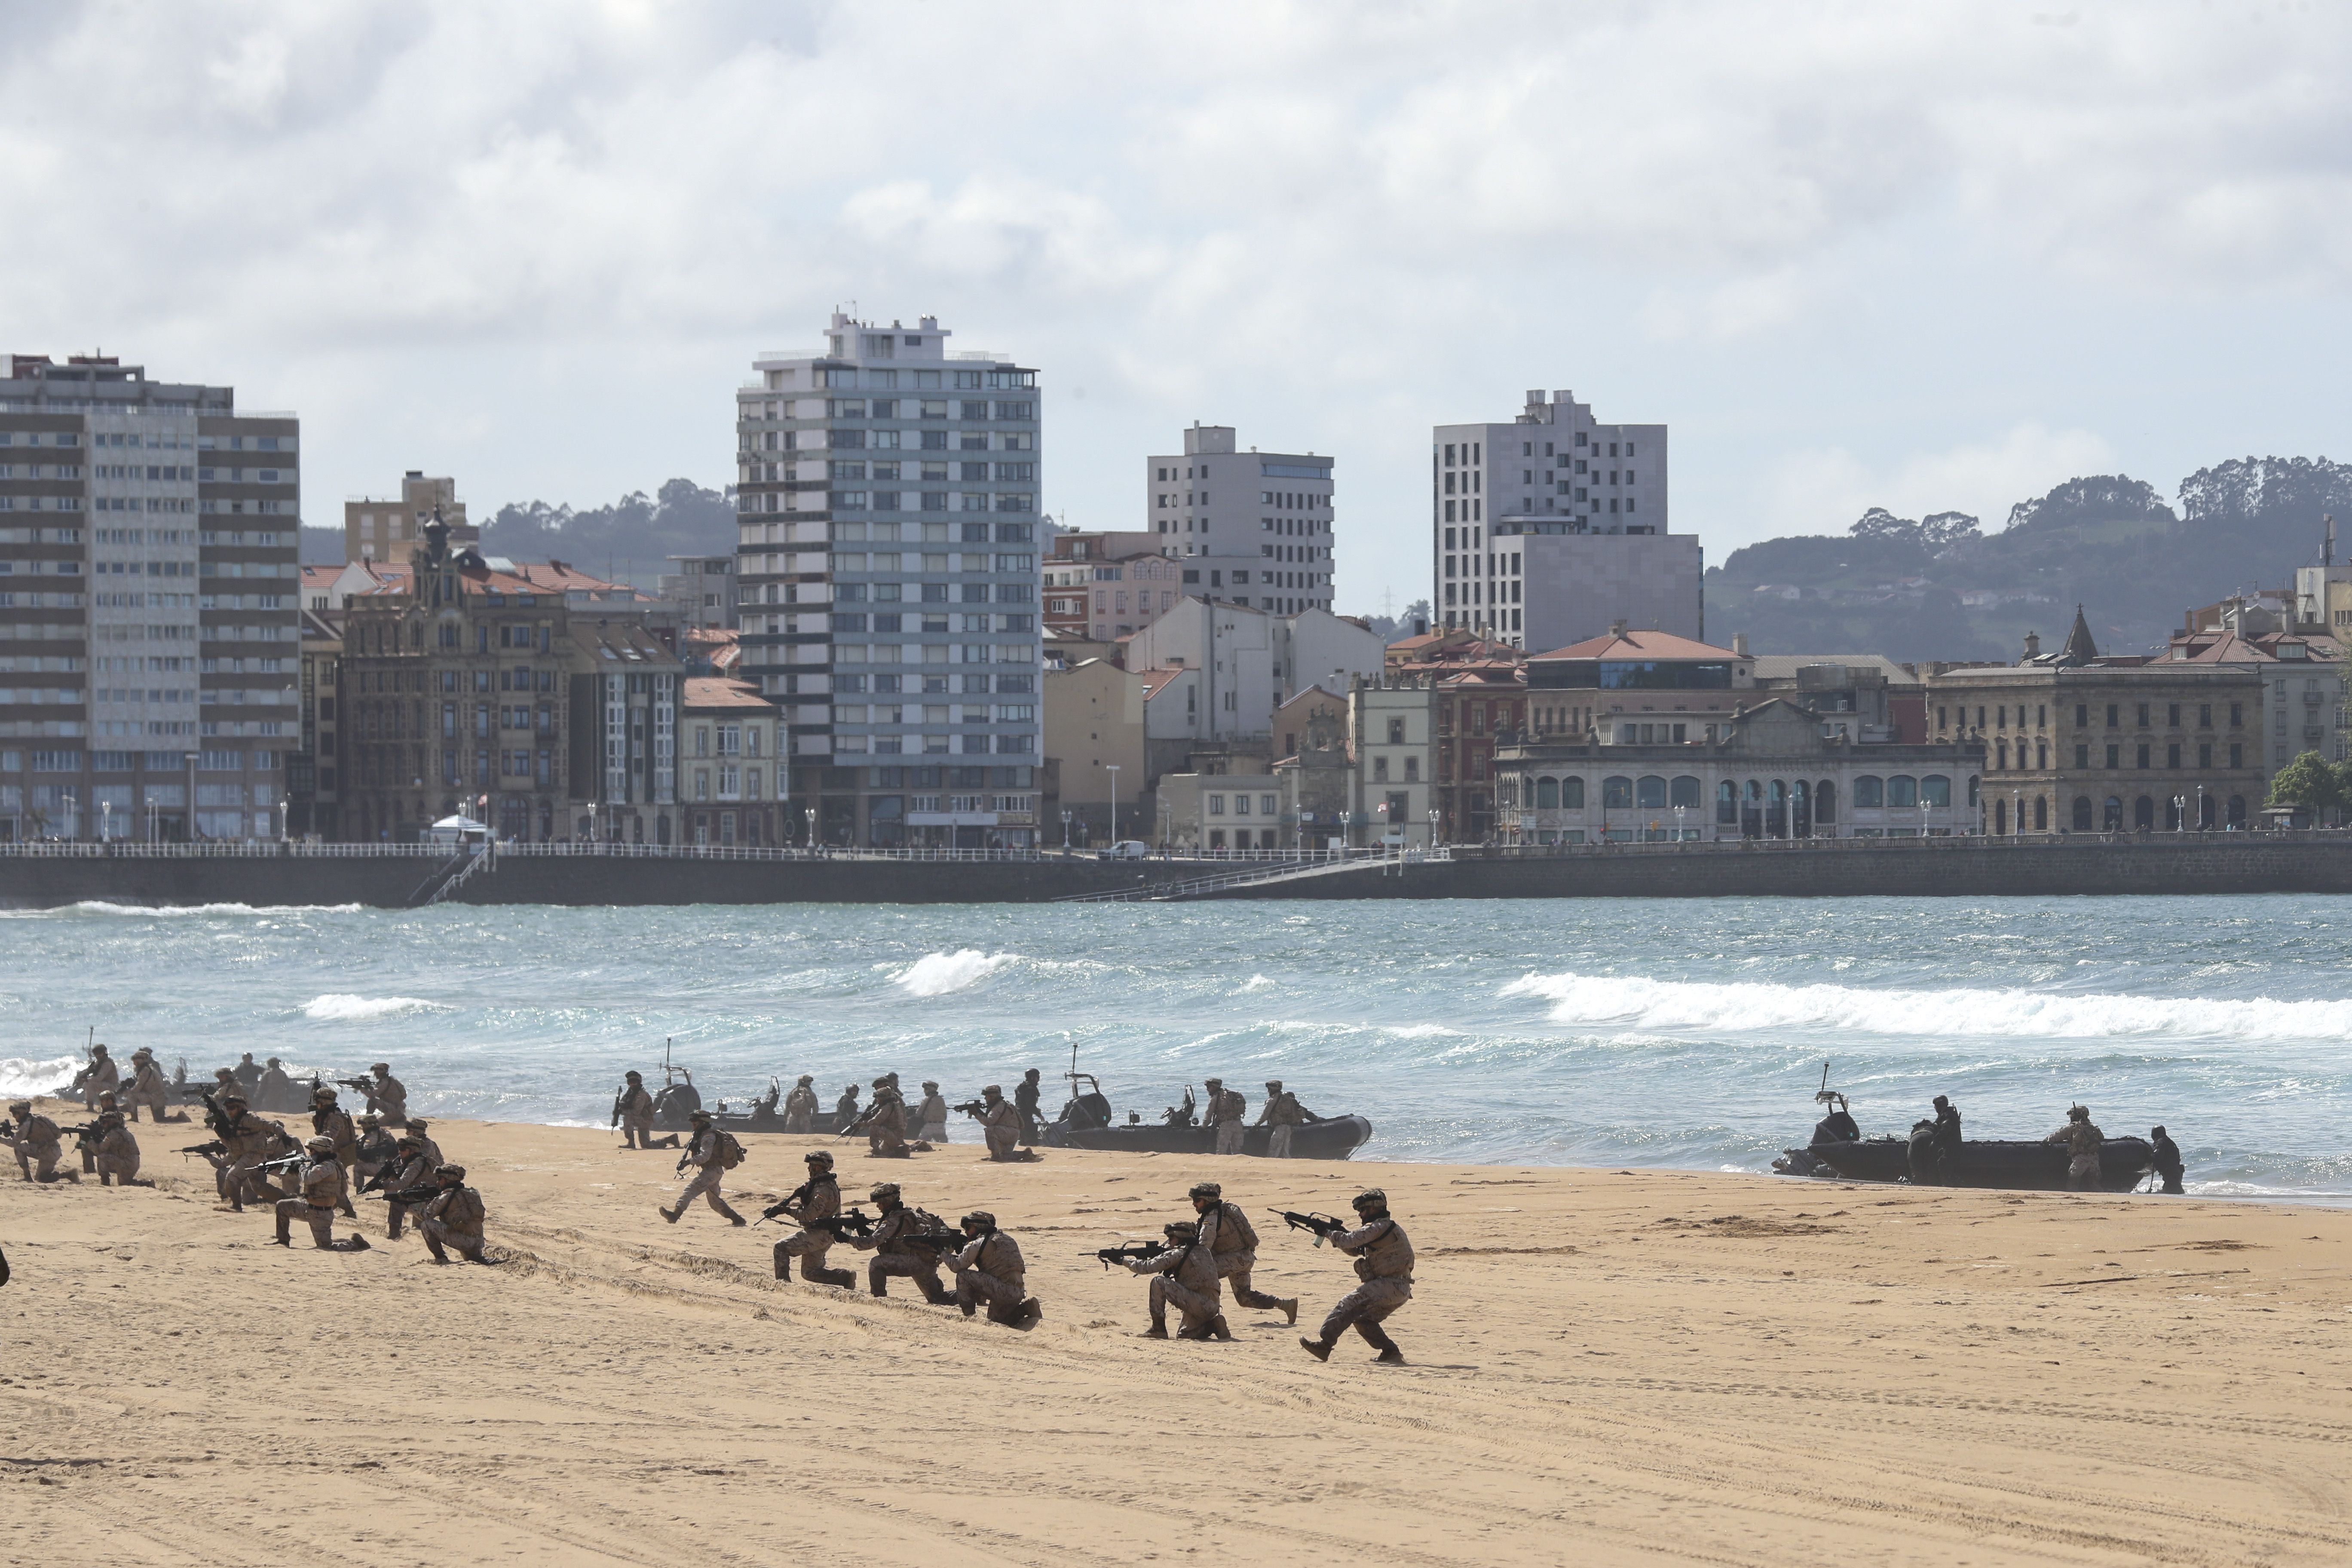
(1940, 588)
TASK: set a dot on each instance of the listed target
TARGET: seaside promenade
(1603, 1366)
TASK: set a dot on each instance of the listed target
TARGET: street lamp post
(1678, 822)
(1347, 831)
(73, 818)
(1065, 830)
(188, 817)
(1112, 769)
(1432, 829)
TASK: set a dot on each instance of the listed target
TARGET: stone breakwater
(1959, 868)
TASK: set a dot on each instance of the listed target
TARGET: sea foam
(938, 973)
(1633, 1001)
(21, 1079)
(343, 1008)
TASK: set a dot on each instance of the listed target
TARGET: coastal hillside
(630, 540)
(1942, 587)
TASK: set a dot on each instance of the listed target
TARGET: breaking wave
(1677, 1007)
(938, 973)
(21, 1079)
(343, 1008)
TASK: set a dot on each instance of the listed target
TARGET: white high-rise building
(889, 582)
(1550, 529)
(1252, 528)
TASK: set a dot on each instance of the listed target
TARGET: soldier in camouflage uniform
(332, 1122)
(816, 1199)
(1283, 1113)
(2082, 1139)
(800, 1106)
(989, 1270)
(1183, 1275)
(320, 1190)
(1229, 1114)
(704, 1152)
(886, 1126)
(454, 1218)
(636, 1108)
(1228, 1236)
(147, 1088)
(118, 1151)
(1383, 1258)
(931, 1120)
(37, 1144)
(893, 1254)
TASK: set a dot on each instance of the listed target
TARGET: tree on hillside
(633, 535)
(2102, 498)
(1936, 531)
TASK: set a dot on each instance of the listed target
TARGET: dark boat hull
(2124, 1163)
(759, 1119)
(1334, 1138)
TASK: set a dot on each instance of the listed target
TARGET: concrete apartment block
(1252, 527)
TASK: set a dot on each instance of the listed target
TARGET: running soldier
(989, 1270)
(1227, 1236)
(37, 1144)
(898, 1252)
(1283, 1113)
(707, 1152)
(813, 1203)
(932, 1119)
(1228, 1114)
(800, 1106)
(454, 1218)
(1385, 1263)
(321, 1189)
(1184, 1274)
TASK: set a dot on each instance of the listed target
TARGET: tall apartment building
(890, 581)
(700, 592)
(1545, 531)
(1252, 528)
(387, 529)
(149, 648)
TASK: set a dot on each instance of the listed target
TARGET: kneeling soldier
(893, 1241)
(412, 1168)
(1186, 1275)
(453, 1217)
(38, 1144)
(1385, 1263)
(117, 1151)
(813, 1203)
(1228, 1235)
(321, 1193)
(989, 1270)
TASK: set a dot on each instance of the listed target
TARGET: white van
(1126, 850)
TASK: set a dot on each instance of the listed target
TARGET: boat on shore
(1838, 1152)
(1088, 1122)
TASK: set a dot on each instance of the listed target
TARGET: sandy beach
(1604, 1366)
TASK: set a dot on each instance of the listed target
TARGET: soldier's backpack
(730, 1152)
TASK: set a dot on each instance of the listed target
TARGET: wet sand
(1604, 1367)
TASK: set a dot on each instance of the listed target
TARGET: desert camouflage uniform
(1281, 1115)
(703, 1154)
(249, 1141)
(800, 1109)
(2082, 1139)
(892, 1257)
(147, 1089)
(1385, 1263)
(989, 1270)
(818, 1198)
(323, 1191)
(637, 1116)
(1228, 1113)
(39, 1145)
(1000, 1124)
(1184, 1277)
(104, 1078)
(117, 1151)
(454, 1218)
(412, 1169)
(933, 1117)
(885, 1129)
(1227, 1236)
(388, 1098)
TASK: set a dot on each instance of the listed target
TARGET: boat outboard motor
(1921, 1155)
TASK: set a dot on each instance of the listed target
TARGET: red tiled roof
(1153, 680)
(1640, 645)
(717, 691)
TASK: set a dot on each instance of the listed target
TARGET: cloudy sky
(1919, 255)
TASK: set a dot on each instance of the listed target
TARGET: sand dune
(1605, 1367)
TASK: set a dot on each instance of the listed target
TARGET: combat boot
(1319, 1349)
(1027, 1314)
(845, 1278)
(1290, 1310)
(1156, 1331)
(1217, 1327)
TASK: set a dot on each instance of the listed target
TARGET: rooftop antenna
(2328, 554)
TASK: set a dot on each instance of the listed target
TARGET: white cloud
(1824, 491)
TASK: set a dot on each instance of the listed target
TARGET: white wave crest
(1257, 982)
(1421, 1031)
(22, 1080)
(162, 912)
(1673, 1005)
(343, 1008)
(938, 973)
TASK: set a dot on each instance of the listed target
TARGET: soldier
(425, 1142)
(375, 1150)
(1948, 1142)
(247, 1075)
(323, 1189)
(886, 1126)
(117, 1151)
(454, 1217)
(2083, 1138)
(932, 1118)
(1282, 1113)
(1228, 1110)
(1024, 1099)
(147, 1088)
(800, 1106)
(813, 1201)
(895, 1252)
(1000, 1125)
(387, 1097)
(249, 1141)
(223, 1085)
(104, 1078)
(2168, 1157)
(633, 1109)
(38, 1144)
(1227, 1236)
(989, 1270)
(1185, 1274)
(276, 1091)
(332, 1122)
(412, 1167)
(1385, 1263)
(706, 1151)
(844, 1110)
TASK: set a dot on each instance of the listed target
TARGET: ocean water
(1679, 1033)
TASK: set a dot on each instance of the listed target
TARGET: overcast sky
(1918, 255)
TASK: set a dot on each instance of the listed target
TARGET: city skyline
(1926, 261)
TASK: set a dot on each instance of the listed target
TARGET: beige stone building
(388, 528)
(2076, 742)
(732, 767)
(1093, 723)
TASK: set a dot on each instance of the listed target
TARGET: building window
(2115, 756)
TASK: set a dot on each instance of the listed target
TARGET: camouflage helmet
(634, 1076)
(2078, 1114)
(379, 1066)
(884, 1192)
(324, 1092)
(819, 1157)
(1369, 1198)
(697, 1114)
(995, 1089)
(1213, 1082)
(1182, 1229)
(930, 1083)
(24, 1106)
(235, 1100)
(981, 1217)
(370, 1119)
(805, 1078)
(1206, 1190)
(450, 1172)
(1274, 1083)
(880, 1083)
(320, 1145)
(416, 1124)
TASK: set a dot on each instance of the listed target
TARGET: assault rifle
(1323, 1225)
(214, 1147)
(971, 1108)
(863, 1117)
(619, 1095)
(415, 1196)
(285, 1162)
(1133, 1251)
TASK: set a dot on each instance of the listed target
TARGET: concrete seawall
(2162, 864)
